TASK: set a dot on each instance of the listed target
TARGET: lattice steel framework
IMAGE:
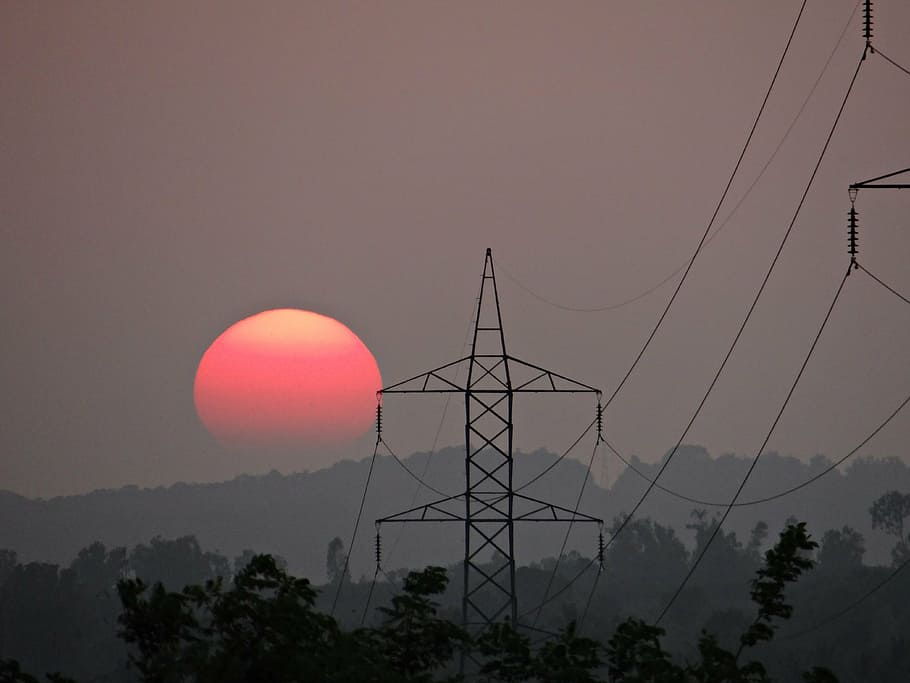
(489, 506)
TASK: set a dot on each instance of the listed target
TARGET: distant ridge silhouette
(297, 515)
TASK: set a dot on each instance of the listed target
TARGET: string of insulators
(600, 549)
(600, 422)
(378, 418)
(378, 549)
(853, 236)
(867, 24)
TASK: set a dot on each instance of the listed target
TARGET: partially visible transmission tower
(490, 505)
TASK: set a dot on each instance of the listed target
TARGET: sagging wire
(884, 284)
(410, 472)
(758, 455)
(598, 420)
(853, 605)
(780, 494)
(363, 498)
(558, 460)
(780, 248)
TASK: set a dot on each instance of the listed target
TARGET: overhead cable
(563, 589)
(565, 539)
(584, 614)
(347, 556)
(720, 202)
(653, 288)
(891, 61)
(442, 418)
(752, 306)
(558, 460)
(853, 605)
(410, 472)
(780, 412)
(781, 494)
(883, 284)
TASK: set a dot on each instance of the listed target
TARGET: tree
(756, 538)
(414, 640)
(841, 551)
(35, 614)
(11, 672)
(335, 561)
(262, 628)
(509, 657)
(725, 549)
(8, 561)
(96, 571)
(726, 562)
(178, 562)
(246, 556)
(99, 569)
(888, 513)
(635, 653)
(644, 555)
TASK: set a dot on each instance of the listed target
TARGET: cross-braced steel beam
(489, 378)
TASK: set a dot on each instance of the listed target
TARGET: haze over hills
(297, 515)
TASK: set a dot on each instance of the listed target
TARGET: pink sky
(167, 170)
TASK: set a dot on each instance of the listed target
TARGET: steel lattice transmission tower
(489, 507)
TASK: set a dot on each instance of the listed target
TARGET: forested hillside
(287, 515)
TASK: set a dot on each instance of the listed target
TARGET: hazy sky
(167, 169)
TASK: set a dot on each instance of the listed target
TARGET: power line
(653, 288)
(892, 62)
(780, 494)
(410, 472)
(442, 417)
(565, 539)
(837, 615)
(395, 591)
(558, 460)
(366, 607)
(717, 527)
(752, 306)
(347, 556)
(723, 196)
(742, 327)
(883, 284)
(523, 486)
(562, 590)
(584, 614)
(754, 502)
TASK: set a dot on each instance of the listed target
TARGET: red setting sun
(284, 378)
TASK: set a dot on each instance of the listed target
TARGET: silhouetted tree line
(169, 611)
(291, 514)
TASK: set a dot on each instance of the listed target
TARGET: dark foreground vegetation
(168, 611)
(263, 626)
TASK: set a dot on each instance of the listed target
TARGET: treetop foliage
(263, 626)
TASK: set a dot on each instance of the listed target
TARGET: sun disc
(286, 377)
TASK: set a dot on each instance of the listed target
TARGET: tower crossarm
(527, 378)
(532, 378)
(874, 183)
(431, 512)
(537, 510)
(543, 511)
(441, 380)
